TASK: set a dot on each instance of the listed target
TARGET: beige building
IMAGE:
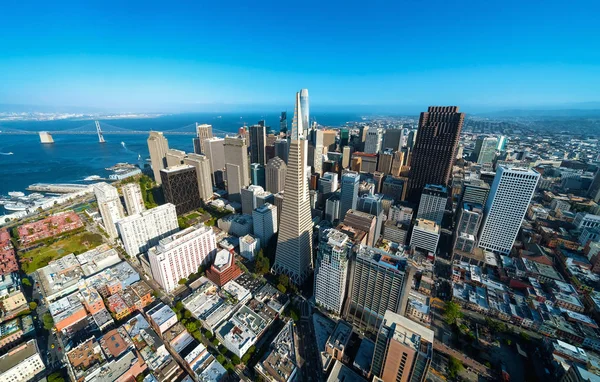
(158, 146)
(22, 363)
(203, 171)
(275, 171)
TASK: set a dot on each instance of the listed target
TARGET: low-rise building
(67, 311)
(21, 364)
(338, 341)
(54, 225)
(242, 331)
(162, 317)
(279, 364)
(223, 269)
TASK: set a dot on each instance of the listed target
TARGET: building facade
(433, 203)
(203, 174)
(134, 202)
(180, 187)
(158, 146)
(109, 206)
(331, 270)
(264, 219)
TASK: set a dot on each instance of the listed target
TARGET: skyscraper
(264, 219)
(348, 192)
(373, 204)
(467, 229)
(392, 139)
(109, 206)
(403, 350)
(379, 282)
(134, 202)
(434, 151)
(236, 152)
(305, 114)
(283, 123)
(293, 255)
(373, 142)
(594, 190)
(203, 132)
(328, 184)
(180, 186)
(158, 147)
(506, 206)
(275, 172)
(248, 195)
(216, 153)
(257, 174)
(433, 203)
(487, 149)
(331, 270)
(258, 137)
(281, 149)
(384, 164)
(174, 157)
(475, 191)
(203, 173)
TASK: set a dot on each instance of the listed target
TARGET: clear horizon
(152, 57)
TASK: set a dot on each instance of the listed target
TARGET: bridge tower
(99, 130)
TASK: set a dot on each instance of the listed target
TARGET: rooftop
(340, 336)
(161, 313)
(406, 331)
(343, 373)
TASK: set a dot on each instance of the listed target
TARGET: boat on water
(15, 207)
(16, 194)
(92, 177)
(10, 153)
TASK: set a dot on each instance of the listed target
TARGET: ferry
(16, 194)
(92, 177)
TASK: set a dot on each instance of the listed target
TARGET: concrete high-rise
(397, 163)
(374, 140)
(179, 255)
(332, 208)
(293, 255)
(216, 153)
(425, 236)
(467, 228)
(234, 182)
(248, 197)
(203, 132)
(509, 198)
(362, 221)
(203, 174)
(386, 158)
(258, 136)
(158, 147)
(264, 219)
(348, 192)
(141, 231)
(346, 155)
(434, 151)
(180, 186)
(236, 152)
(433, 203)
(392, 139)
(174, 157)
(487, 149)
(331, 270)
(109, 206)
(328, 184)
(275, 172)
(475, 191)
(379, 282)
(134, 201)
(403, 350)
(373, 204)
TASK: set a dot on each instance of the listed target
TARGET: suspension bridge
(101, 129)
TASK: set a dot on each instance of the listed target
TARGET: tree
(215, 342)
(454, 367)
(452, 313)
(48, 321)
(281, 288)
(56, 377)
(191, 327)
(26, 282)
(236, 360)
(182, 223)
(33, 305)
(284, 280)
(221, 359)
(208, 335)
(187, 314)
(261, 264)
(182, 281)
(246, 357)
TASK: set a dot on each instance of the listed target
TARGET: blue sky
(160, 56)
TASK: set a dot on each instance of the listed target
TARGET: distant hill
(557, 113)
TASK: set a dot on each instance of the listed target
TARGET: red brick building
(223, 269)
(8, 261)
(54, 225)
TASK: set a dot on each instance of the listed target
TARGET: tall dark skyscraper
(435, 148)
(283, 122)
(258, 137)
(180, 186)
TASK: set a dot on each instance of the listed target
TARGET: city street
(307, 354)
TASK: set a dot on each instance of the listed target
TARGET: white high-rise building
(110, 207)
(373, 141)
(216, 153)
(249, 197)
(203, 173)
(304, 113)
(401, 214)
(249, 247)
(506, 206)
(433, 203)
(487, 151)
(179, 255)
(293, 255)
(134, 202)
(265, 223)
(203, 132)
(328, 183)
(332, 208)
(141, 231)
(425, 235)
(331, 270)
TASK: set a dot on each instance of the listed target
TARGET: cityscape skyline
(500, 56)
